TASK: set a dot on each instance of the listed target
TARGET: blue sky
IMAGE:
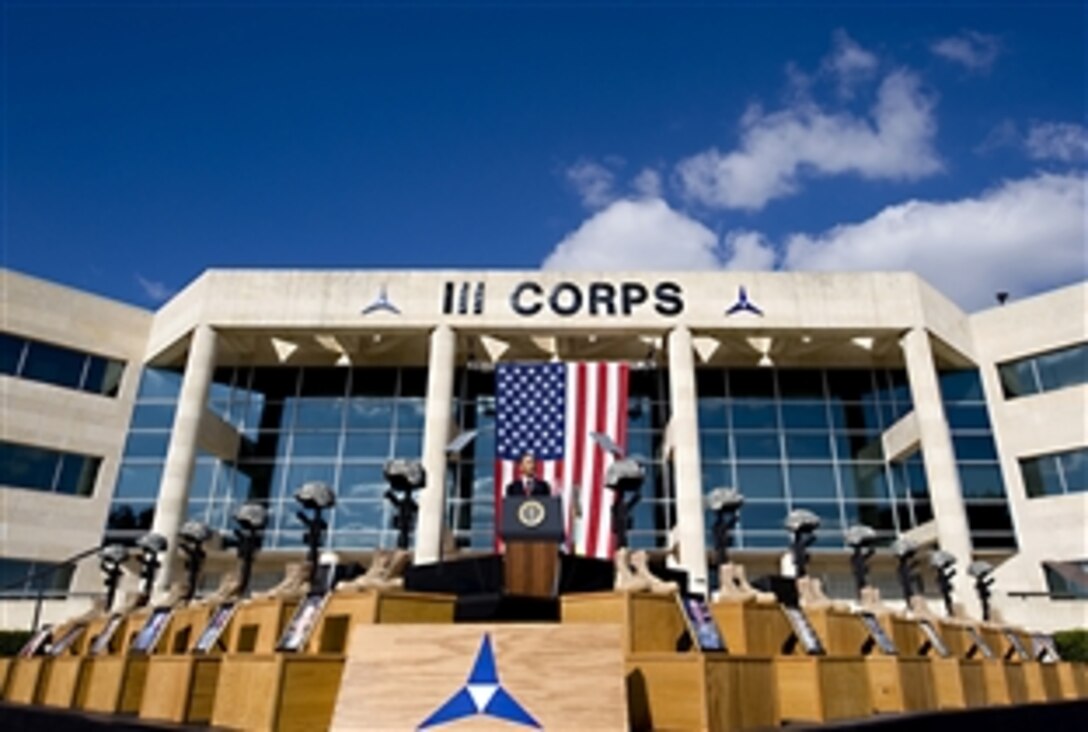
(146, 142)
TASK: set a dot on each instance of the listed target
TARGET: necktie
(528, 487)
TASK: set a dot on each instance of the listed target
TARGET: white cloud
(593, 183)
(973, 50)
(155, 291)
(647, 184)
(1062, 141)
(1021, 237)
(644, 234)
(777, 149)
(749, 251)
(849, 62)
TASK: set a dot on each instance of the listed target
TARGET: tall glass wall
(984, 496)
(811, 439)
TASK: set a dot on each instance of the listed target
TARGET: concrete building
(865, 398)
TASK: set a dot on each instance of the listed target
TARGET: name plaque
(803, 631)
(877, 635)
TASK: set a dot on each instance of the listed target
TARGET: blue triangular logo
(481, 694)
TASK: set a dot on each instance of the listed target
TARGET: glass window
(961, 386)
(712, 414)
(717, 475)
(858, 446)
(138, 481)
(988, 517)
(974, 447)
(147, 444)
(373, 445)
(713, 445)
(749, 383)
(923, 512)
(411, 413)
(77, 475)
(54, 365)
(359, 516)
(300, 473)
(967, 417)
(408, 444)
(801, 384)
(981, 481)
(361, 482)
(1055, 474)
(328, 381)
(153, 416)
(757, 446)
(763, 516)
(856, 417)
(808, 446)
(812, 481)
(754, 414)
(865, 481)
(804, 415)
(879, 515)
(22, 466)
(850, 385)
(370, 414)
(380, 382)
(318, 414)
(160, 384)
(203, 480)
(709, 383)
(760, 481)
(316, 444)
(830, 518)
(134, 517)
(1018, 378)
(11, 353)
(1074, 466)
(1067, 367)
(103, 376)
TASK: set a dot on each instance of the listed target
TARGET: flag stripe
(551, 410)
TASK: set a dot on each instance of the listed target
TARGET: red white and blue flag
(551, 410)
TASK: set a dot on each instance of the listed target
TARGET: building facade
(866, 398)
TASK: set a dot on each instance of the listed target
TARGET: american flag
(550, 410)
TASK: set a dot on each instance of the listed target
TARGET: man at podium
(527, 484)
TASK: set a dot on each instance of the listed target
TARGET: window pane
(974, 447)
(717, 475)
(961, 386)
(359, 516)
(803, 415)
(370, 414)
(812, 481)
(856, 417)
(138, 481)
(160, 384)
(988, 517)
(808, 446)
(1075, 469)
(757, 446)
(967, 417)
(713, 445)
(878, 515)
(801, 384)
(712, 414)
(23, 466)
(850, 385)
(368, 446)
(981, 481)
(830, 520)
(763, 516)
(147, 444)
(131, 516)
(858, 446)
(755, 414)
(203, 479)
(760, 481)
(864, 481)
(1018, 379)
(103, 376)
(77, 475)
(361, 482)
(409, 444)
(747, 383)
(374, 381)
(315, 444)
(411, 414)
(153, 416)
(54, 365)
(11, 351)
(330, 381)
(319, 414)
(1067, 367)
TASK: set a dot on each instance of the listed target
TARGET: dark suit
(539, 488)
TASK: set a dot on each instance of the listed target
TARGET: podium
(532, 528)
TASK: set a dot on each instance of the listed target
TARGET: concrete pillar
(687, 468)
(170, 510)
(436, 435)
(953, 532)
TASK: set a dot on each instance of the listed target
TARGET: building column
(942, 474)
(436, 435)
(687, 467)
(173, 501)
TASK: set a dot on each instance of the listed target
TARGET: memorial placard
(933, 639)
(148, 637)
(65, 641)
(979, 643)
(803, 630)
(36, 644)
(101, 642)
(701, 624)
(302, 624)
(877, 634)
(217, 623)
(1016, 646)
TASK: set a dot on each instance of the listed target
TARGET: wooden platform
(184, 688)
(949, 687)
(821, 688)
(345, 610)
(257, 624)
(277, 691)
(751, 628)
(898, 684)
(25, 678)
(651, 623)
(695, 691)
(114, 684)
(66, 682)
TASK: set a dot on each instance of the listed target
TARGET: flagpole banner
(551, 410)
(483, 677)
